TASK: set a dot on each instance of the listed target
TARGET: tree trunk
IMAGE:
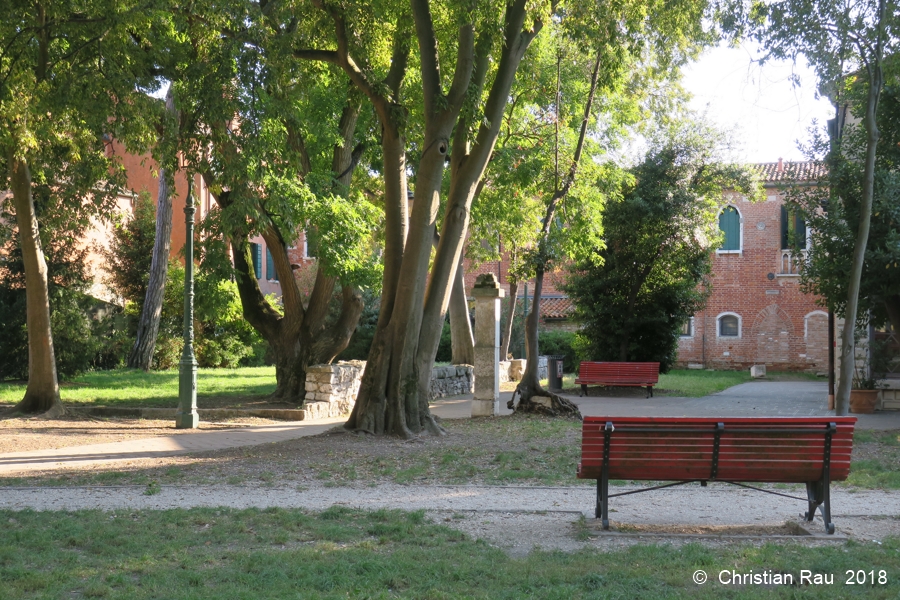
(530, 389)
(141, 354)
(393, 397)
(461, 338)
(530, 386)
(42, 392)
(506, 334)
(848, 347)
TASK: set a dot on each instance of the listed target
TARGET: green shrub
(84, 337)
(553, 341)
(445, 347)
(361, 342)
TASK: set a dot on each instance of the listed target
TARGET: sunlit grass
(131, 387)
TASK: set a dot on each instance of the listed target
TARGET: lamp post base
(189, 420)
(187, 417)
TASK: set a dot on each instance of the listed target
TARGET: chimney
(780, 165)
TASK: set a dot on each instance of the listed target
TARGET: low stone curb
(206, 414)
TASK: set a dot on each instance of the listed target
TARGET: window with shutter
(270, 267)
(730, 224)
(256, 256)
(793, 229)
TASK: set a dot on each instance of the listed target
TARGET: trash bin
(555, 371)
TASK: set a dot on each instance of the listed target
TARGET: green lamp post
(187, 417)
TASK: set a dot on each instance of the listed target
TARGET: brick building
(757, 313)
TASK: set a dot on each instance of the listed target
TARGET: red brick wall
(780, 326)
(142, 173)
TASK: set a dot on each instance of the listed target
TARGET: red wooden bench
(636, 374)
(810, 450)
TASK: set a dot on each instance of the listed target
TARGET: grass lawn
(343, 553)
(684, 382)
(132, 387)
(245, 386)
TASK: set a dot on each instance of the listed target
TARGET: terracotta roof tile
(556, 307)
(778, 172)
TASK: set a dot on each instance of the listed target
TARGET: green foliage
(637, 290)
(445, 347)
(130, 251)
(222, 337)
(86, 332)
(358, 348)
(555, 341)
(833, 231)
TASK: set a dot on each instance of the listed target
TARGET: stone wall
(331, 389)
(889, 397)
(452, 381)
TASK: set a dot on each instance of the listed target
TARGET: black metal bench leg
(649, 391)
(602, 510)
(826, 508)
(583, 390)
(819, 495)
(813, 495)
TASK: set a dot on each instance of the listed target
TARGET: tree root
(543, 402)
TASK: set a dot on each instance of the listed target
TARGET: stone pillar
(487, 295)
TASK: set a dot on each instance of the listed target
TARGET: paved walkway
(760, 398)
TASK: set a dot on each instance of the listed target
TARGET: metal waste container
(555, 371)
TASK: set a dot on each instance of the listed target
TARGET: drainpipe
(830, 360)
(703, 344)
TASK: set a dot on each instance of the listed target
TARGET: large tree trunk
(462, 340)
(848, 348)
(394, 394)
(42, 392)
(506, 333)
(141, 354)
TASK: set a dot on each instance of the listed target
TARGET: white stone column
(487, 295)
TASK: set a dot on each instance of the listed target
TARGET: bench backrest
(620, 372)
(775, 449)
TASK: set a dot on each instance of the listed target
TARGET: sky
(765, 112)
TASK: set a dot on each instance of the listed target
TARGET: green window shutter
(270, 266)
(793, 229)
(800, 231)
(730, 224)
(256, 255)
(785, 228)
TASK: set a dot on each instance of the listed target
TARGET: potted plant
(864, 394)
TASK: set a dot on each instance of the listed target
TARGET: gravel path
(518, 518)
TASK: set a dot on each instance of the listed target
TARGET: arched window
(729, 325)
(730, 224)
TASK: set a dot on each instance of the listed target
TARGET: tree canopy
(634, 293)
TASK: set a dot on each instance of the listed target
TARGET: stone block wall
(889, 398)
(331, 389)
(452, 381)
